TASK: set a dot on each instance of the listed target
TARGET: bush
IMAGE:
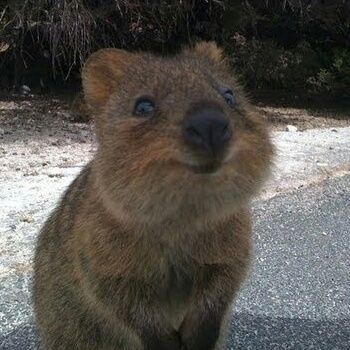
(60, 34)
(264, 64)
(290, 44)
(334, 79)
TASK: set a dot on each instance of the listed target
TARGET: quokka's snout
(207, 129)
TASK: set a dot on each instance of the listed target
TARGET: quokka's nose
(207, 128)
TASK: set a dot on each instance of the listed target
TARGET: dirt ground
(305, 118)
(56, 116)
(41, 134)
(44, 133)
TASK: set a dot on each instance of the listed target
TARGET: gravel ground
(41, 151)
(308, 157)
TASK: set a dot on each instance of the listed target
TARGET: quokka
(151, 242)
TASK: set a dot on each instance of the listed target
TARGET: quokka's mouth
(207, 168)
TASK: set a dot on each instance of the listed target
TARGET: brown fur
(143, 252)
(79, 108)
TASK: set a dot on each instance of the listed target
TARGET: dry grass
(68, 30)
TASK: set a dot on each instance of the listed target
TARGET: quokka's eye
(229, 98)
(144, 107)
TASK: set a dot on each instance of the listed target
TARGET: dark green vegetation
(299, 45)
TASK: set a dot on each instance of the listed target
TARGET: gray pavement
(298, 294)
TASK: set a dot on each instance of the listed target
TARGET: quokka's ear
(101, 72)
(209, 49)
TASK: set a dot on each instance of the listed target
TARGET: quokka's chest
(175, 293)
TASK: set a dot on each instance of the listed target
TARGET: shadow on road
(247, 332)
(262, 332)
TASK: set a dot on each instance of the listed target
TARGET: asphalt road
(298, 295)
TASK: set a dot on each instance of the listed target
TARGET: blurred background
(293, 48)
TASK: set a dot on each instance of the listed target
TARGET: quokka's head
(177, 138)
